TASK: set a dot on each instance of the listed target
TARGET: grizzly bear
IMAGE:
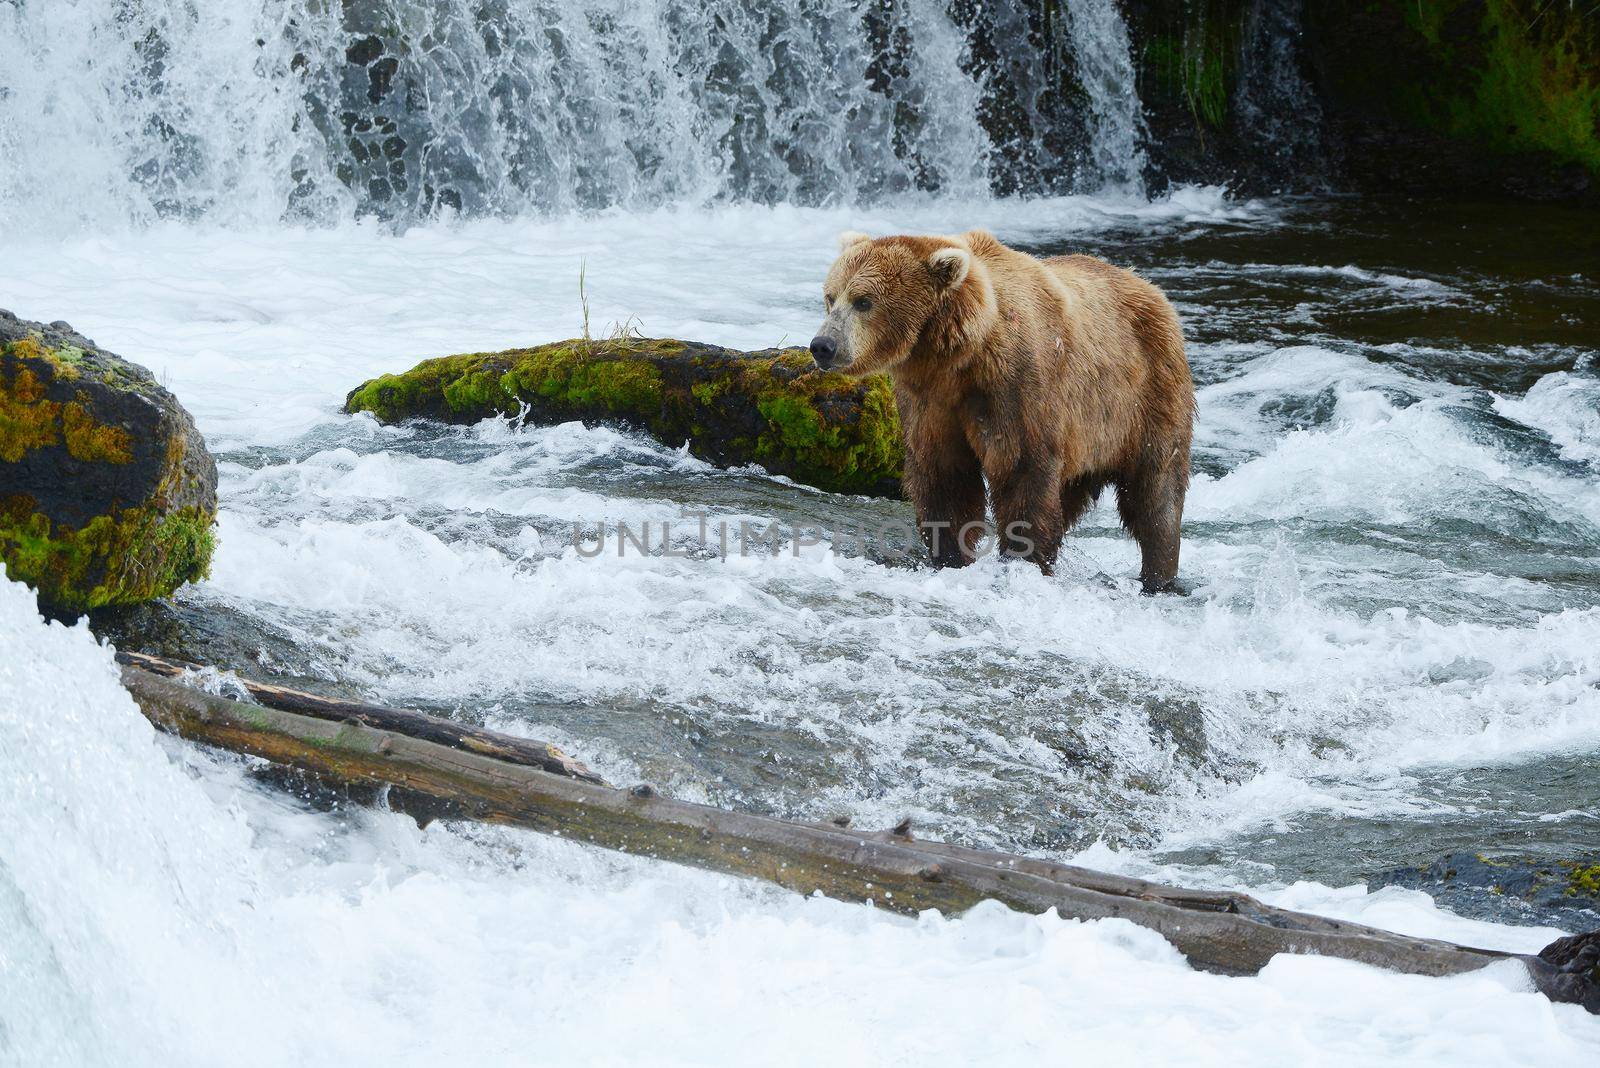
(1047, 379)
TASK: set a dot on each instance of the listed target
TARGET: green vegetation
(88, 440)
(30, 420)
(1533, 79)
(27, 420)
(1197, 66)
(615, 377)
(770, 408)
(420, 391)
(1515, 76)
(137, 549)
(805, 443)
(137, 555)
(1584, 882)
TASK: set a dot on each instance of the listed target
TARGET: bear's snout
(824, 351)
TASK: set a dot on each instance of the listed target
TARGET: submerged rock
(107, 492)
(771, 407)
(1563, 893)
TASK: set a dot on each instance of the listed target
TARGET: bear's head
(884, 295)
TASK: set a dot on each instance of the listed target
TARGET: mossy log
(771, 408)
(107, 492)
(1219, 931)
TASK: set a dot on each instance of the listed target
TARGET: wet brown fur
(1047, 379)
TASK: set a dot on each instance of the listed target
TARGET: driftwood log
(506, 747)
(1218, 931)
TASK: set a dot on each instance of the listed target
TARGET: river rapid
(1390, 651)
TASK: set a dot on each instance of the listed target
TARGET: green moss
(796, 423)
(134, 556)
(770, 408)
(417, 392)
(89, 440)
(27, 348)
(708, 392)
(27, 420)
(1519, 75)
(882, 444)
(475, 392)
(66, 361)
(614, 377)
(1195, 66)
(1584, 882)
(853, 451)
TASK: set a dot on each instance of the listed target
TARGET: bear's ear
(949, 267)
(850, 238)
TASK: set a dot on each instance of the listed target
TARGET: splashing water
(1390, 652)
(1099, 40)
(248, 110)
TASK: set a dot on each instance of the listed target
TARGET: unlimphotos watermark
(697, 535)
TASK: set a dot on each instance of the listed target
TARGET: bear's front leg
(1027, 511)
(944, 481)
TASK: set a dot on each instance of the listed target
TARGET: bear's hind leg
(1151, 504)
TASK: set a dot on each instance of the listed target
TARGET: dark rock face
(1565, 893)
(1574, 974)
(1228, 96)
(1422, 97)
(1471, 96)
(107, 492)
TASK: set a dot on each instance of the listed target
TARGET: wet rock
(1562, 893)
(770, 408)
(1412, 96)
(1479, 97)
(1575, 976)
(107, 492)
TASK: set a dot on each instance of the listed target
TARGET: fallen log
(525, 751)
(1218, 931)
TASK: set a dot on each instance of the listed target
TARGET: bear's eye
(827, 300)
(862, 304)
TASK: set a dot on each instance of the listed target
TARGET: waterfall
(1099, 42)
(1273, 97)
(252, 111)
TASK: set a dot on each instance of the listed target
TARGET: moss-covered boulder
(107, 493)
(771, 408)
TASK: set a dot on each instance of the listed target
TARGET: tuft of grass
(626, 330)
(583, 300)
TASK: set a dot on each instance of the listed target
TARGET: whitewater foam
(160, 909)
(438, 566)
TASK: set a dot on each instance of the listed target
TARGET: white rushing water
(159, 905)
(1394, 610)
(157, 909)
(1099, 41)
(247, 110)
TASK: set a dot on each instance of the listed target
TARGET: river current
(1390, 652)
